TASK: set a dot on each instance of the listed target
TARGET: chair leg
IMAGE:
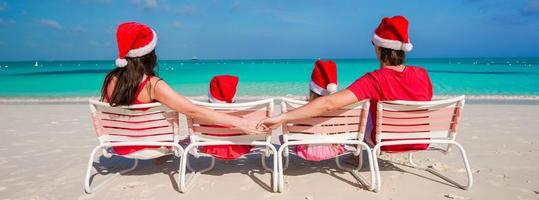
(411, 160)
(375, 153)
(130, 169)
(284, 164)
(185, 178)
(355, 171)
(183, 169)
(376, 150)
(360, 160)
(87, 187)
(466, 165)
(275, 170)
(209, 168)
(263, 162)
(281, 165)
(266, 153)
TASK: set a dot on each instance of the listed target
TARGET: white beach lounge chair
(343, 126)
(149, 124)
(410, 122)
(199, 130)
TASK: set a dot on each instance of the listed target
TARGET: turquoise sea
(450, 76)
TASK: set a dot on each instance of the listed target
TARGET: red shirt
(412, 84)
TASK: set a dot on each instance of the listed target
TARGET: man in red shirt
(393, 81)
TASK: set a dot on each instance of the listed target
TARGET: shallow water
(450, 76)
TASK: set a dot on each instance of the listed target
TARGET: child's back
(323, 82)
(223, 90)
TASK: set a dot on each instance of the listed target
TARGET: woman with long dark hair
(134, 82)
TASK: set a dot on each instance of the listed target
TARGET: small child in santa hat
(223, 90)
(323, 82)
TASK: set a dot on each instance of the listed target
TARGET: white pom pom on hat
(332, 88)
(407, 47)
(121, 62)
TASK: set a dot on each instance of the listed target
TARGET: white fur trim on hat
(120, 62)
(211, 99)
(317, 89)
(145, 49)
(391, 44)
(332, 88)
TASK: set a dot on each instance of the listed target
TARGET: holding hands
(259, 127)
(251, 126)
(272, 123)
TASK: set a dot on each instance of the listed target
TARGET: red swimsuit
(124, 150)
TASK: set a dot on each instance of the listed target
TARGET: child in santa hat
(223, 90)
(134, 81)
(323, 82)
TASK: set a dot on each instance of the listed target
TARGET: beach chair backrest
(152, 122)
(418, 119)
(256, 110)
(348, 122)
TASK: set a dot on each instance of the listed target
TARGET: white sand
(44, 150)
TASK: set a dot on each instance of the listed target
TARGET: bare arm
(314, 108)
(167, 96)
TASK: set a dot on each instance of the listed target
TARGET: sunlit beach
(157, 99)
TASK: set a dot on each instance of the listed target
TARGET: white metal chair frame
(291, 137)
(442, 115)
(198, 139)
(161, 114)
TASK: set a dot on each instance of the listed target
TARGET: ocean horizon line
(263, 59)
(505, 99)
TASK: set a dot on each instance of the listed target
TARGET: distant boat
(36, 64)
(194, 58)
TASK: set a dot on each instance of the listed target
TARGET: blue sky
(85, 29)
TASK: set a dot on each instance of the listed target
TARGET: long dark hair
(128, 79)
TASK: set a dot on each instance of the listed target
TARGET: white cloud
(235, 6)
(146, 4)
(7, 21)
(50, 23)
(286, 16)
(177, 24)
(150, 4)
(187, 10)
(80, 29)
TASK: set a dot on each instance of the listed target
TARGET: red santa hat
(223, 89)
(324, 77)
(392, 33)
(134, 40)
